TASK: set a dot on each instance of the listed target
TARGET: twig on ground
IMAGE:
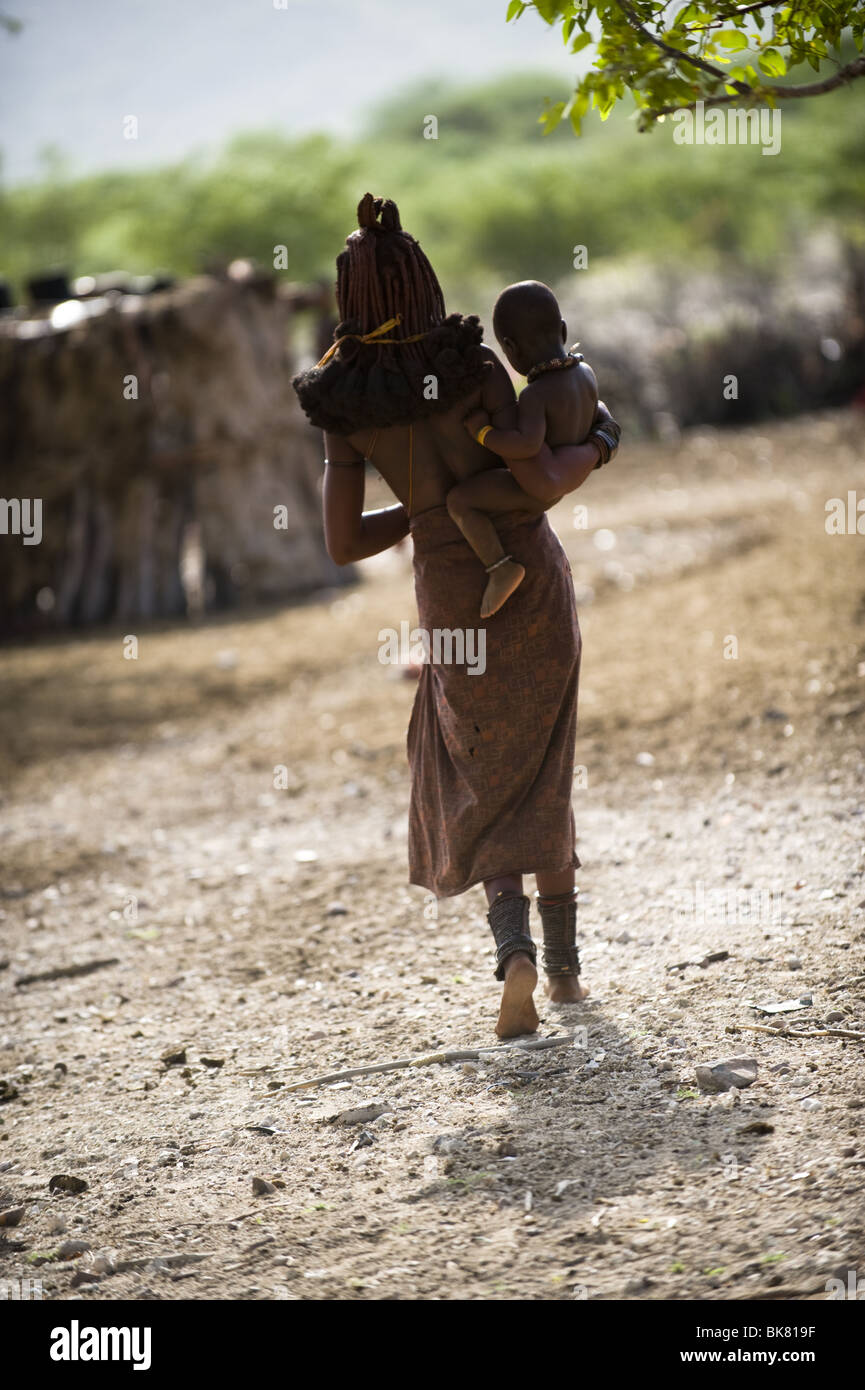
(470, 1054)
(772, 1295)
(845, 984)
(800, 1032)
(66, 972)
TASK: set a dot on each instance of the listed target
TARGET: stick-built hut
(161, 435)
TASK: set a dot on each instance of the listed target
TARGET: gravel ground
(260, 932)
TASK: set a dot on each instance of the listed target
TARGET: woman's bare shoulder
(492, 357)
(498, 389)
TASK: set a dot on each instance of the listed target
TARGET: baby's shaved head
(527, 312)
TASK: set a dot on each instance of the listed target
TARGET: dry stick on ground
(799, 1033)
(211, 1221)
(772, 1295)
(66, 972)
(431, 1059)
(846, 984)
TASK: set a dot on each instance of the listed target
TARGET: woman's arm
(607, 432)
(350, 533)
(555, 472)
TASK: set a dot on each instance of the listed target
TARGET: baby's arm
(521, 443)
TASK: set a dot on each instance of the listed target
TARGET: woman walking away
(492, 753)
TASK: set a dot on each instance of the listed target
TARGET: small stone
(361, 1114)
(84, 1276)
(644, 759)
(213, 1061)
(262, 1188)
(738, 1072)
(128, 1169)
(453, 1143)
(712, 958)
(166, 1159)
(174, 1056)
(811, 1103)
(66, 1182)
(835, 1016)
(363, 1141)
(336, 909)
(41, 1257)
(758, 1127)
(787, 1006)
(71, 1249)
(793, 963)
(12, 1216)
(103, 1264)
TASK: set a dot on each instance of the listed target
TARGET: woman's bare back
(420, 463)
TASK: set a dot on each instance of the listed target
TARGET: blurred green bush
(492, 199)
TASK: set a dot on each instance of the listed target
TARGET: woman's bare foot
(501, 584)
(518, 1014)
(566, 989)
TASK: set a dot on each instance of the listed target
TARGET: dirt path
(721, 808)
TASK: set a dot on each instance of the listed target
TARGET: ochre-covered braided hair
(383, 274)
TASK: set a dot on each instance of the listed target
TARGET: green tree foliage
(669, 56)
(490, 199)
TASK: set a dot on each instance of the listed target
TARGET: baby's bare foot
(501, 584)
(518, 1014)
(566, 989)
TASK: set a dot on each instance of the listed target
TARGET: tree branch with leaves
(670, 56)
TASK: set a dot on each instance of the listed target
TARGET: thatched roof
(142, 420)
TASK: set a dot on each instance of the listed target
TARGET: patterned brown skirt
(492, 753)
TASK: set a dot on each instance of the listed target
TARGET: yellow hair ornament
(373, 337)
